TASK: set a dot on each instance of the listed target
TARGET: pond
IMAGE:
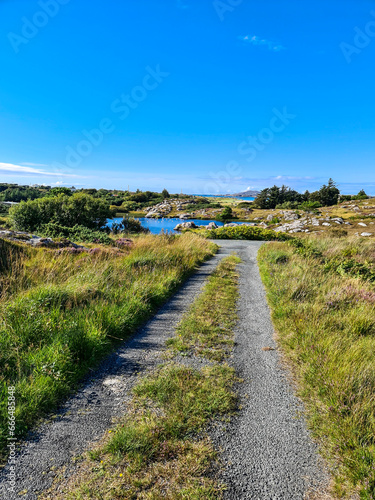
(156, 226)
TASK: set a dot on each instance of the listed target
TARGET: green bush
(245, 204)
(309, 205)
(288, 205)
(75, 233)
(226, 214)
(246, 233)
(4, 209)
(81, 209)
(128, 225)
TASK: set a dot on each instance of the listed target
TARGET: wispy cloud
(291, 178)
(34, 164)
(23, 169)
(262, 42)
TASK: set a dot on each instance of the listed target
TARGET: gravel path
(267, 451)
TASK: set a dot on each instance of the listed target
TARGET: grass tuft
(207, 329)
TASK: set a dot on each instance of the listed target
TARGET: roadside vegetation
(243, 233)
(62, 310)
(322, 294)
(160, 450)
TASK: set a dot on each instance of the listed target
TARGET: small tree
(165, 194)
(226, 214)
(361, 195)
(329, 194)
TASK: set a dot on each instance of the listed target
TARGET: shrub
(124, 243)
(129, 206)
(360, 196)
(309, 205)
(79, 209)
(288, 205)
(246, 233)
(226, 214)
(128, 225)
(245, 204)
(338, 233)
(4, 209)
(76, 233)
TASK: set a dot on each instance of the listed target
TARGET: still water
(156, 226)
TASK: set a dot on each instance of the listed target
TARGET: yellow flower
(120, 475)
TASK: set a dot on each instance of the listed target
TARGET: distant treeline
(286, 198)
(130, 200)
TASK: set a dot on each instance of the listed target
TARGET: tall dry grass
(326, 327)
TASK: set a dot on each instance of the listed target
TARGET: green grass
(62, 312)
(203, 332)
(160, 450)
(326, 326)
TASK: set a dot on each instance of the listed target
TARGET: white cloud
(21, 169)
(258, 41)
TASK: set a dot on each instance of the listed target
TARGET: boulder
(366, 234)
(185, 225)
(212, 225)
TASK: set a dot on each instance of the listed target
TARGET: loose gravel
(267, 452)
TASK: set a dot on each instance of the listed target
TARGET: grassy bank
(155, 452)
(63, 310)
(324, 313)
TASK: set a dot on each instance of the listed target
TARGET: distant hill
(246, 194)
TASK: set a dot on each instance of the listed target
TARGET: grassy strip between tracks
(159, 450)
(326, 327)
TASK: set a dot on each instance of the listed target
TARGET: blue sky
(192, 95)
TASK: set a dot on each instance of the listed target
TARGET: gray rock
(185, 225)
